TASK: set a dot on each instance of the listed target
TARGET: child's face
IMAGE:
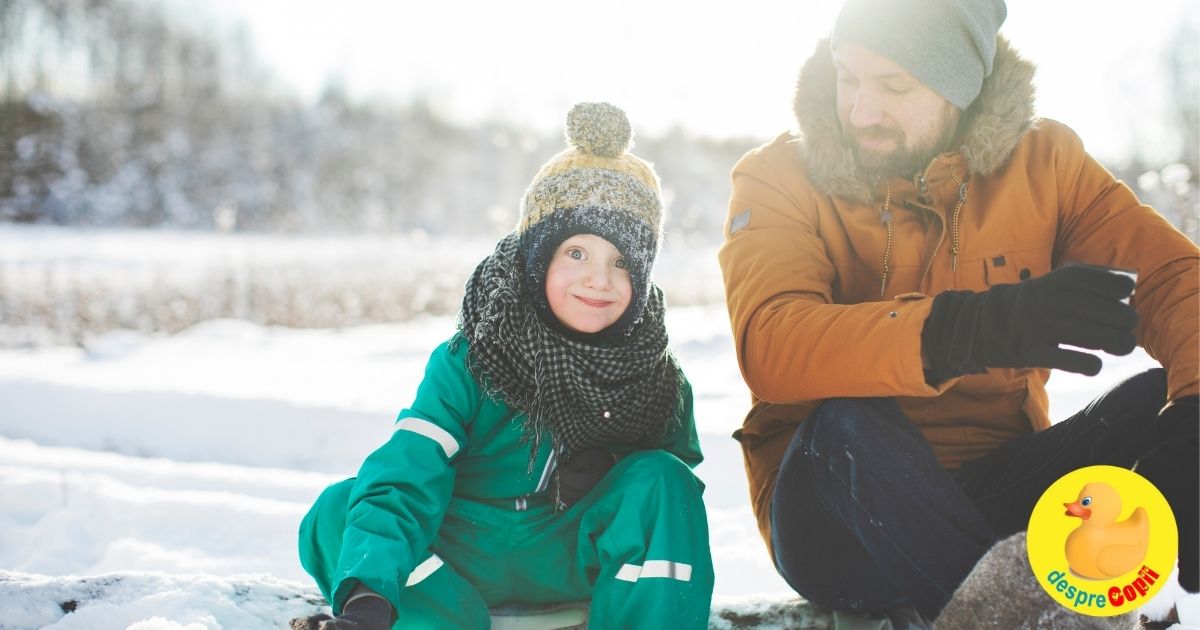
(587, 284)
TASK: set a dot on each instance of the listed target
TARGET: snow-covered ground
(157, 481)
(62, 286)
(199, 452)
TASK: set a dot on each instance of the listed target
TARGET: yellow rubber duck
(1101, 548)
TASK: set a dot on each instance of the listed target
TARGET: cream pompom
(599, 128)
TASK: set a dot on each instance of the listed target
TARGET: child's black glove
(1021, 325)
(579, 474)
(369, 612)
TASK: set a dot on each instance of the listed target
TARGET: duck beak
(1074, 509)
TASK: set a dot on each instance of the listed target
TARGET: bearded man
(903, 275)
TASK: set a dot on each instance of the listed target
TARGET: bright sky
(716, 67)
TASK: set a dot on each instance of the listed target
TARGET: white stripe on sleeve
(656, 569)
(432, 431)
(424, 570)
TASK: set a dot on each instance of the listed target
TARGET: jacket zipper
(924, 188)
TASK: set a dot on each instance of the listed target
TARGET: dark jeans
(864, 518)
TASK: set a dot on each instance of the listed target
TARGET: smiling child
(547, 457)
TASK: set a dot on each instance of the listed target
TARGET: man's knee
(845, 424)
(1125, 419)
(1152, 381)
(1138, 397)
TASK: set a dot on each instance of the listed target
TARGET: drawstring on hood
(885, 217)
(958, 206)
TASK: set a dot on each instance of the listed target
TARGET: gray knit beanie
(946, 44)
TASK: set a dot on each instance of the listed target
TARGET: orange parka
(807, 254)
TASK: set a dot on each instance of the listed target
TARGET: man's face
(894, 124)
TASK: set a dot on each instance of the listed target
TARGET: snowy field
(63, 286)
(155, 482)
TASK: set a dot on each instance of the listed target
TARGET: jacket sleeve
(403, 488)
(793, 341)
(1102, 222)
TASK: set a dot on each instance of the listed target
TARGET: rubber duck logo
(1104, 547)
(1113, 547)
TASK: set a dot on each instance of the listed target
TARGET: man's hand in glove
(1022, 325)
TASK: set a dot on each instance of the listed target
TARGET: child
(547, 455)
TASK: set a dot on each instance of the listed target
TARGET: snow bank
(154, 601)
(151, 601)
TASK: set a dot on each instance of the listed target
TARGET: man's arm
(793, 342)
(1103, 222)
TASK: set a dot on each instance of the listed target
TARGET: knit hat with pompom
(595, 187)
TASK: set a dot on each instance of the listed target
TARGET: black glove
(369, 612)
(581, 473)
(1174, 469)
(1021, 325)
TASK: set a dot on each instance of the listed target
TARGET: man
(900, 276)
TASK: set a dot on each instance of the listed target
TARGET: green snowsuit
(445, 520)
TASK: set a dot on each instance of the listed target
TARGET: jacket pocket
(1014, 267)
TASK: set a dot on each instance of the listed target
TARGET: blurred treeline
(130, 114)
(119, 113)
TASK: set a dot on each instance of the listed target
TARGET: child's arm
(402, 489)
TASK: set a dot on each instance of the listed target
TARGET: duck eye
(1086, 501)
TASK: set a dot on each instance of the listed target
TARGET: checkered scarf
(622, 393)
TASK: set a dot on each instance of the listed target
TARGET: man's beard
(903, 161)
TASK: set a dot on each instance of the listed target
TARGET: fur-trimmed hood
(1000, 115)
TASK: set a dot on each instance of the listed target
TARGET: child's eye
(575, 253)
(896, 89)
(621, 264)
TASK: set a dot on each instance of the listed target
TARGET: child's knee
(658, 468)
(654, 462)
(320, 535)
(328, 512)
(335, 496)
